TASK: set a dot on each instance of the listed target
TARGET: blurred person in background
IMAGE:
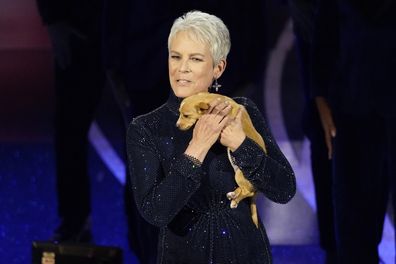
(74, 29)
(353, 60)
(303, 17)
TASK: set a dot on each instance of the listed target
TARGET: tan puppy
(192, 108)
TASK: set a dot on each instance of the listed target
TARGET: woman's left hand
(233, 135)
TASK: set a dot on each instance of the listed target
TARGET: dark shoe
(331, 257)
(72, 233)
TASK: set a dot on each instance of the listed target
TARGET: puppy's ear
(202, 107)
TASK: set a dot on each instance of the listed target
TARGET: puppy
(192, 108)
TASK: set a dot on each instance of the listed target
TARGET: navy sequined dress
(189, 202)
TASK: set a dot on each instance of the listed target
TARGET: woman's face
(190, 65)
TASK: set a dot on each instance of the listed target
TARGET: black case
(67, 253)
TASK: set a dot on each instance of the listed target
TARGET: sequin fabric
(188, 200)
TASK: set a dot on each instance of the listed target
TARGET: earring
(216, 86)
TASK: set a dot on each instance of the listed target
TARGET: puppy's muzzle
(183, 124)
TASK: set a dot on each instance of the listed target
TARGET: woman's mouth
(183, 81)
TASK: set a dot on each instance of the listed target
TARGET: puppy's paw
(234, 194)
(231, 195)
(233, 204)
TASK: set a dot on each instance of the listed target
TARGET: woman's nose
(184, 66)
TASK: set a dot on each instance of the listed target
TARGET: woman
(180, 178)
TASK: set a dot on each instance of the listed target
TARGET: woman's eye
(175, 56)
(196, 59)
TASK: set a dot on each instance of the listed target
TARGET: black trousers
(322, 176)
(77, 90)
(364, 168)
(320, 164)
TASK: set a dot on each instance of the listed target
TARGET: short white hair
(207, 28)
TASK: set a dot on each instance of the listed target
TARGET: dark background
(27, 173)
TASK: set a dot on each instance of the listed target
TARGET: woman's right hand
(328, 125)
(208, 128)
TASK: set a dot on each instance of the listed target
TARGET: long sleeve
(188, 202)
(160, 192)
(270, 173)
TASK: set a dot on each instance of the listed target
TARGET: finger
(333, 131)
(219, 116)
(220, 108)
(330, 135)
(329, 122)
(226, 110)
(229, 125)
(213, 104)
(224, 121)
(202, 120)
